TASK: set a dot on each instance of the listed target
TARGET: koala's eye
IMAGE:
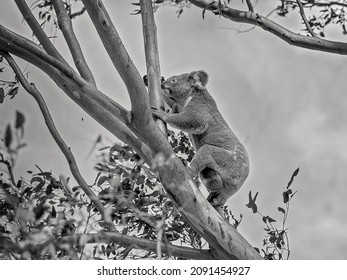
(174, 80)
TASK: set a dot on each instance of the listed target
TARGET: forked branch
(66, 28)
(102, 108)
(121, 60)
(141, 121)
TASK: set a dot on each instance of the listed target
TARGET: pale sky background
(287, 104)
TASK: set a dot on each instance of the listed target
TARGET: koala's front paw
(158, 113)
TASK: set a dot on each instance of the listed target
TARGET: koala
(220, 160)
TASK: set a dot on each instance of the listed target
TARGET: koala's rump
(225, 172)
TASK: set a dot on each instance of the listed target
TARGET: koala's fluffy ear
(199, 76)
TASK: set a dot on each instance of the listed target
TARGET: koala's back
(218, 132)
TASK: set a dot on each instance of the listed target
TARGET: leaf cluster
(37, 215)
(135, 193)
(276, 241)
(7, 88)
(12, 139)
(321, 14)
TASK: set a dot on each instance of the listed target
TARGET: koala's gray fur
(220, 159)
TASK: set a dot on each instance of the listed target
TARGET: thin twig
(307, 24)
(73, 15)
(250, 6)
(10, 172)
(32, 90)
(160, 231)
(85, 230)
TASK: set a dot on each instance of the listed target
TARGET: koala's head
(181, 86)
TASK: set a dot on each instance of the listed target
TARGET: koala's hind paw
(216, 199)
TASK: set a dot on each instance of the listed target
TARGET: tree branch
(14, 40)
(152, 58)
(65, 26)
(250, 6)
(313, 43)
(32, 90)
(139, 243)
(117, 238)
(37, 30)
(313, 4)
(302, 12)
